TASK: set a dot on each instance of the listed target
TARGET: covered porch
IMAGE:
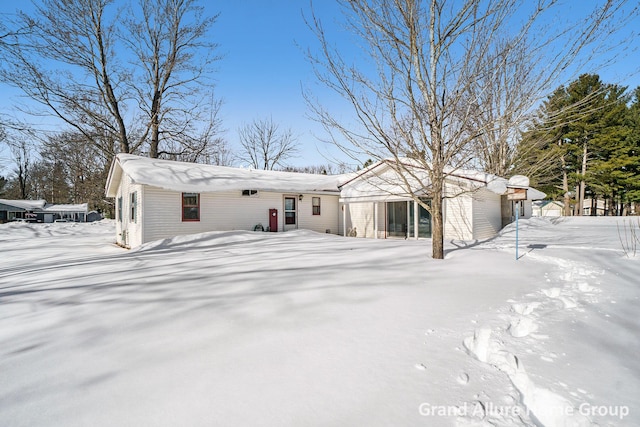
(381, 219)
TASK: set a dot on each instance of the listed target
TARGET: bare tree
(417, 94)
(264, 145)
(326, 169)
(21, 154)
(86, 90)
(170, 45)
(73, 59)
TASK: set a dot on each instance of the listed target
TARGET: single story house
(157, 199)
(11, 210)
(41, 211)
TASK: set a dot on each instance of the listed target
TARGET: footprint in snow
(522, 326)
(568, 302)
(463, 378)
(552, 292)
(525, 308)
(585, 287)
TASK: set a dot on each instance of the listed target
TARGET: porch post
(344, 219)
(416, 219)
(375, 220)
(408, 219)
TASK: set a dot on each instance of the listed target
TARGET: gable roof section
(382, 182)
(59, 208)
(548, 203)
(43, 206)
(200, 178)
(27, 205)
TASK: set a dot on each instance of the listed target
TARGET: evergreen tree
(583, 139)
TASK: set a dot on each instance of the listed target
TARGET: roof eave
(113, 179)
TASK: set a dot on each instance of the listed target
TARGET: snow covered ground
(306, 329)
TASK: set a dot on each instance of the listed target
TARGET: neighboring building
(157, 199)
(593, 207)
(548, 208)
(41, 211)
(11, 210)
(94, 216)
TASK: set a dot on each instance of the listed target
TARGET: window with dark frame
(133, 206)
(120, 209)
(249, 193)
(315, 202)
(190, 207)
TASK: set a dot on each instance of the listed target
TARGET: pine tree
(583, 138)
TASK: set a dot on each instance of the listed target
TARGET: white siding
(458, 220)
(487, 216)
(328, 218)
(129, 232)
(360, 217)
(230, 211)
(528, 209)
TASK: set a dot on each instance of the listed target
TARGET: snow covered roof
(544, 203)
(201, 178)
(28, 205)
(382, 182)
(82, 207)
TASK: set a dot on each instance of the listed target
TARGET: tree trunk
(437, 217)
(155, 140)
(22, 182)
(584, 173)
(565, 188)
(578, 206)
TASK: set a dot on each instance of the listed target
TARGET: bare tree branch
(264, 145)
(435, 81)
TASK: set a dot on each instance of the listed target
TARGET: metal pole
(517, 215)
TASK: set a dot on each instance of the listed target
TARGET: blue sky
(261, 73)
(264, 68)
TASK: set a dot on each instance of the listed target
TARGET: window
(249, 193)
(133, 206)
(190, 207)
(120, 209)
(315, 202)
